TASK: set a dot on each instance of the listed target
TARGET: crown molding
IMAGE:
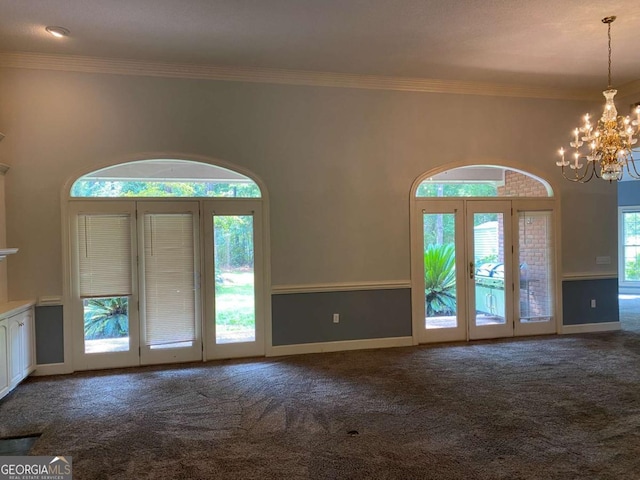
(71, 63)
(631, 89)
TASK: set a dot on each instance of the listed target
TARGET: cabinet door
(15, 349)
(4, 358)
(28, 338)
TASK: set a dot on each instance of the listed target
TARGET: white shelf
(7, 251)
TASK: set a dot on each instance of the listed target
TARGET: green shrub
(440, 279)
(106, 318)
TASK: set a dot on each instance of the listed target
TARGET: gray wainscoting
(49, 334)
(364, 314)
(577, 296)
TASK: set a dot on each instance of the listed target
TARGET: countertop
(15, 306)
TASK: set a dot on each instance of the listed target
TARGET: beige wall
(338, 163)
(4, 293)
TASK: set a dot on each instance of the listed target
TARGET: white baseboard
(322, 347)
(591, 327)
(52, 369)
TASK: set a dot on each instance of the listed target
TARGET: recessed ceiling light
(58, 32)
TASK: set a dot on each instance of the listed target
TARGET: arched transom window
(483, 181)
(165, 178)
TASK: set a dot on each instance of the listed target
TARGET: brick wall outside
(535, 247)
(519, 185)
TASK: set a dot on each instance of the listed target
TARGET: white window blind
(104, 252)
(169, 279)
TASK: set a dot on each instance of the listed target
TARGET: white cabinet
(21, 341)
(15, 348)
(28, 342)
(17, 337)
(4, 358)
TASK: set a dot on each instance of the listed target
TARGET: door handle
(471, 270)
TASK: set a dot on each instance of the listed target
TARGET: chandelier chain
(609, 35)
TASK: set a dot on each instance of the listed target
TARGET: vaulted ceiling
(538, 43)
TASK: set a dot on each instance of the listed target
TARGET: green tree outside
(114, 189)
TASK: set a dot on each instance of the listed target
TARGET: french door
(490, 269)
(439, 261)
(169, 273)
(483, 269)
(136, 281)
(104, 284)
(233, 269)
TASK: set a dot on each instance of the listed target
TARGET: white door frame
(68, 365)
(536, 328)
(426, 206)
(149, 355)
(257, 347)
(499, 205)
(625, 286)
(81, 360)
(448, 205)
(237, 206)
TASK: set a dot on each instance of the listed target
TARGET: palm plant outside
(440, 280)
(106, 318)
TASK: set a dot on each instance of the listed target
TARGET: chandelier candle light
(608, 144)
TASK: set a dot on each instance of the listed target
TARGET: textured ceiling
(521, 42)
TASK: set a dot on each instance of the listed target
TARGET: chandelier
(605, 146)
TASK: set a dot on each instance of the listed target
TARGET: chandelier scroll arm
(635, 174)
(577, 178)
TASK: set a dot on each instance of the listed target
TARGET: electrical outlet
(336, 318)
(593, 303)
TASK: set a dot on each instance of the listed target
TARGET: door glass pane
(234, 278)
(631, 245)
(536, 254)
(440, 270)
(488, 252)
(169, 273)
(106, 324)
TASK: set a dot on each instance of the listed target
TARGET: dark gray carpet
(560, 407)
